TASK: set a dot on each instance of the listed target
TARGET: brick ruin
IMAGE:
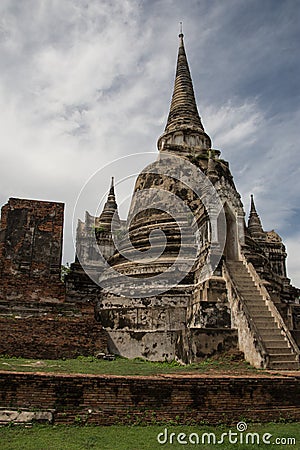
(114, 400)
(246, 301)
(36, 320)
(30, 251)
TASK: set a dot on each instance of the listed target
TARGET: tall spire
(110, 210)
(184, 129)
(254, 223)
(183, 110)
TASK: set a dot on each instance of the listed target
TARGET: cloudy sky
(86, 82)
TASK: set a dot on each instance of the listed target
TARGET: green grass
(135, 438)
(123, 366)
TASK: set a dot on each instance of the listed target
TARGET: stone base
(186, 346)
(151, 345)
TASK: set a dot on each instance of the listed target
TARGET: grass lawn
(144, 438)
(121, 366)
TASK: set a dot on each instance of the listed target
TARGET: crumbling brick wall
(36, 321)
(31, 234)
(108, 400)
(51, 338)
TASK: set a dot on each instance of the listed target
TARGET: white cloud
(232, 124)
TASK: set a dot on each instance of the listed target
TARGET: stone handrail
(269, 302)
(253, 329)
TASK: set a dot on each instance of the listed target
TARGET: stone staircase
(281, 355)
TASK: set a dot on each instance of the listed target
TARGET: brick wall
(106, 400)
(51, 338)
(31, 234)
(36, 321)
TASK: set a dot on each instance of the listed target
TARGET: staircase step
(282, 357)
(234, 263)
(257, 304)
(248, 290)
(267, 327)
(269, 333)
(280, 350)
(251, 290)
(257, 309)
(240, 270)
(243, 277)
(251, 293)
(266, 322)
(275, 343)
(247, 286)
(284, 365)
(253, 302)
(262, 317)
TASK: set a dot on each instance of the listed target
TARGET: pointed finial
(112, 190)
(180, 34)
(252, 208)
